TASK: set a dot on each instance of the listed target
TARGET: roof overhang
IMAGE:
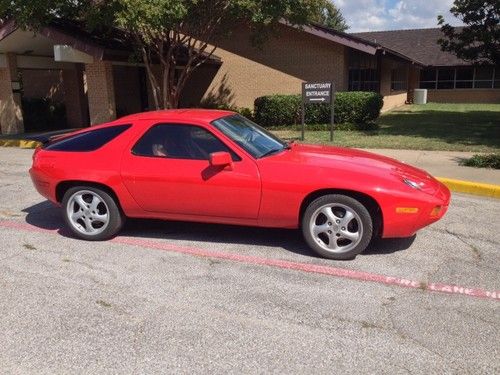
(350, 41)
(66, 42)
(336, 37)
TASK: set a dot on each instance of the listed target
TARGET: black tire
(115, 217)
(361, 223)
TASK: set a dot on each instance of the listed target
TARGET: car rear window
(88, 141)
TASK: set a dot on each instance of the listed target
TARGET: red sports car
(219, 167)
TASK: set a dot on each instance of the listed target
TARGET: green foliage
(179, 34)
(330, 16)
(479, 40)
(244, 111)
(483, 161)
(43, 114)
(355, 107)
(37, 13)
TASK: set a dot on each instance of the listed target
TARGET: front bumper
(403, 219)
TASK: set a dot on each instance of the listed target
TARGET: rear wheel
(91, 213)
(337, 226)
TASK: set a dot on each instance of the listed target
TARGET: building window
(428, 78)
(464, 78)
(482, 77)
(363, 72)
(399, 79)
(446, 78)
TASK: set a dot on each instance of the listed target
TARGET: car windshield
(251, 137)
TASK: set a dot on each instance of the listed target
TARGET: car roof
(205, 115)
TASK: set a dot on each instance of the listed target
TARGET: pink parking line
(284, 264)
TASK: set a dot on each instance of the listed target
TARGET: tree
(330, 16)
(178, 35)
(479, 40)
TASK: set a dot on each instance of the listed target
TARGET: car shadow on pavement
(47, 216)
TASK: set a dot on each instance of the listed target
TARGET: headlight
(412, 184)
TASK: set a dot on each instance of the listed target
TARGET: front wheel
(91, 213)
(337, 226)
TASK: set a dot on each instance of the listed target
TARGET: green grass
(483, 161)
(447, 127)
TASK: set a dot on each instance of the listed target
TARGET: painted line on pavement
(471, 187)
(284, 264)
(21, 143)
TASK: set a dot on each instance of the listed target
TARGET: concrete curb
(470, 187)
(21, 143)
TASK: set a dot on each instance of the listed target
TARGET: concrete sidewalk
(444, 164)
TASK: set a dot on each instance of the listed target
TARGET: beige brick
(101, 92)
(283, 63)
(464, 96)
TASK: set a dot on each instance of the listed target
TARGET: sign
(317, 92)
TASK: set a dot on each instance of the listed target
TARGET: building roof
(418, 44)
(352, 41)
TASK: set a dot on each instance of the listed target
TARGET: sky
(373, 15)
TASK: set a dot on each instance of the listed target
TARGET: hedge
(354, 107)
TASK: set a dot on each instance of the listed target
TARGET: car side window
(88, 141)
(176, 141)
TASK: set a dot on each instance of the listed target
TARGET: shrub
(483, 161)
(244, 111)
(355, 107)
(277, 110)
(43, 114)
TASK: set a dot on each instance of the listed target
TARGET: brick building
(96, 81)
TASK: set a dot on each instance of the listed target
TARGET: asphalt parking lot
(168, 297)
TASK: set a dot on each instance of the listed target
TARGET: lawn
(433, 126)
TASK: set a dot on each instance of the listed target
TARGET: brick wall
(392, 99)
(464, 96)
(280, 66)
(101, 93)
(39, 83)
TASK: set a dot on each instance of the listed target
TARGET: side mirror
(221, 159)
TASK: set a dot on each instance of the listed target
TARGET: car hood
(355, 161)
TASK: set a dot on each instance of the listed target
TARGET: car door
(168, 171)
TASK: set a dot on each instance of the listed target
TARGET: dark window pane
(428, 75)
(399, 78)
(363, 79)
(445, 85)
(464, 84)
(465, 74)
(484, 73)
(427, 85)
(497, 84)
(88, 141)
(180, 142)
(483, 84)
(446, 75)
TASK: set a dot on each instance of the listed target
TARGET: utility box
(420, 96)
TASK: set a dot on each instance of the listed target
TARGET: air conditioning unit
(420, 96)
